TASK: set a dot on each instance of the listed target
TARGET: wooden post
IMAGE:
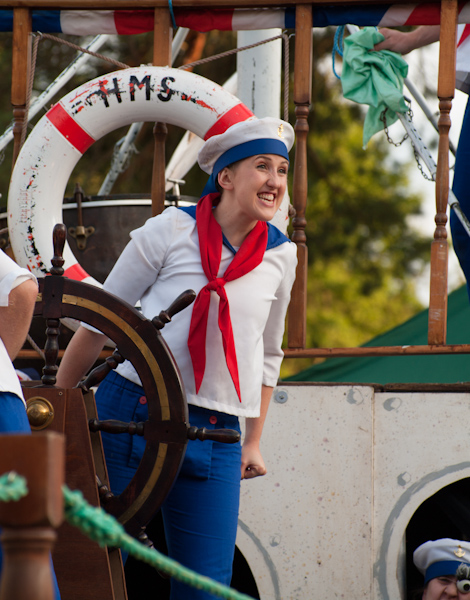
(163, 34)
(160, 132)
(83, 568)
(29, 524)
(302, 99)
(20, 70)
(437, 324)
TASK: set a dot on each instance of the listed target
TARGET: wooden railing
(296, 339)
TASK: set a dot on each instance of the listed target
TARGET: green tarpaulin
(405, 369)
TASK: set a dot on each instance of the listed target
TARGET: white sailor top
(11, 275)
(162, 260)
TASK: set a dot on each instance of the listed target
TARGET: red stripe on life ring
(76, 272)
(236, 114)
(69, 128)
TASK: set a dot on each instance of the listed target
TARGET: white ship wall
(347, 468)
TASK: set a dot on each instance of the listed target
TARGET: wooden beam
(376, 351)
(160, 132)
(163, 34)
(194, 4)
(132, 4)
(297, 318)
(437, 322)
(20, 72)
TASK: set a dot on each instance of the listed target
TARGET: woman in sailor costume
(227, 345)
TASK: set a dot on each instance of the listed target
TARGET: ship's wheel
(137, 339)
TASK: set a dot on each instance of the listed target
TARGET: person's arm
(79, 356)
(252, 461)
(404, 42)
(135, 271)
(15, 318)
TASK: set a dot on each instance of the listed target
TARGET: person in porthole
(445, 565)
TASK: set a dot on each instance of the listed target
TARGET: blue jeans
(200, 514)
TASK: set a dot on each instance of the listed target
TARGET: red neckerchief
(248, 257)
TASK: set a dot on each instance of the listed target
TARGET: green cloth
(448, 368)
(373, 78)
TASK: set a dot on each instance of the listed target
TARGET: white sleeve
(141, 260)
(275, 325)
(11, 275)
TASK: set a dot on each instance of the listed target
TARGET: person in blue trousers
(227, 345)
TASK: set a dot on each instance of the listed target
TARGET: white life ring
(83, 116)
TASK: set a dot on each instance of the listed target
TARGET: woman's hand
(252, 461)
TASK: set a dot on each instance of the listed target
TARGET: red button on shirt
(213, 419)
(143, 400)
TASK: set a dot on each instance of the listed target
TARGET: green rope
(106, 531)
(12, 487)
(102, 528)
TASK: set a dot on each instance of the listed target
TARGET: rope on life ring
(83, 116)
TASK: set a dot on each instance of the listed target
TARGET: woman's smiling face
(256, 186)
